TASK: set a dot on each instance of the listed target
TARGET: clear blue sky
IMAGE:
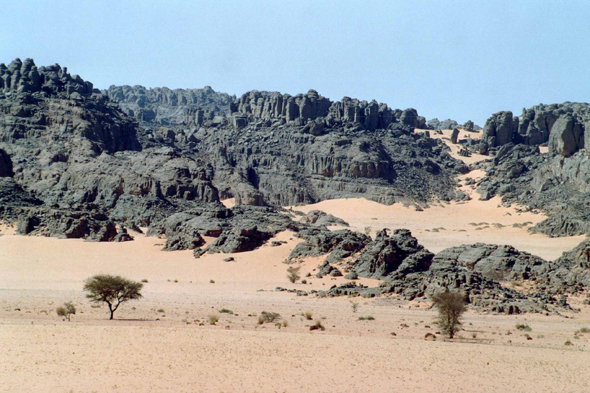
(448, 59)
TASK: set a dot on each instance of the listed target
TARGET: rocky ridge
(164, 106)
(480, 270)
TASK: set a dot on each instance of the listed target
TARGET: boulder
(567, 136)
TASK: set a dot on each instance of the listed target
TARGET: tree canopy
(112, 290)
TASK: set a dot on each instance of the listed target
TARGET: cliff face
(562, 126)
(302, 108)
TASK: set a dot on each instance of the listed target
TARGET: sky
(462, 60)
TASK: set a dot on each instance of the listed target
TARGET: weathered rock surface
(167, 107)
(563, 126)
(337, 245)
(318, 217)
(387, 254)
(553, 184)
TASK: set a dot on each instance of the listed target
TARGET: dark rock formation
(387, 254)
(567, 136)
(337, 245)
(5, 165)
(455, 136)
(318, 217)
(165, 106)
(537, 125)
(302, 108)
(500, 129)
(553, 184)
(495, 262)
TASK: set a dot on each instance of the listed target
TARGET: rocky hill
(67, 147)
(556, 182)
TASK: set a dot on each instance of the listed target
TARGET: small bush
(161, 310)
(67, 311)
(584, 330)
(268, 317)
(451, 305)
(308, 315)
(317, 326)
(212, 281)
(285, 323)
(226, 311)
(303, 281)
(524, 327)
(293, 273)
(213, 319)
(145, 280)
(367, 318)
(354, 305)
(568, 342)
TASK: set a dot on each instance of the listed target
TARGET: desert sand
(164, 342)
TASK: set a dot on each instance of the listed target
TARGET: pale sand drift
(150, 350)
(447, 225)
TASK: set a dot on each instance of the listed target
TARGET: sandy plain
(164, 342)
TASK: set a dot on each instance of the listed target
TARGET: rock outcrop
(562, 126)
(399, 252)
(553, 184)
(165, 106)
(318, 217)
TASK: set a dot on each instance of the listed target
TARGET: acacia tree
(451, 305)
(112, 290)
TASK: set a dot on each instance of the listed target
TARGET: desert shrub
(145, 280)
(293, 273)
(524, 327)
(367, 318)
(67, 310)
(450, 305)
(354, 306)
(226, 311)
(308, 315)
(303, 281)
(285, 323)
(568, 342)
(112, 290)
(213, 319)
(584, 330)
(212, 281)
(268, 317)
(317, 326)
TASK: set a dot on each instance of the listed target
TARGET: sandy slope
(445, 136)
